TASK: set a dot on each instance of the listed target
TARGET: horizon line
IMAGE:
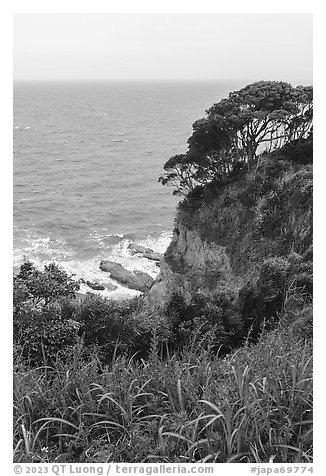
(114, 80)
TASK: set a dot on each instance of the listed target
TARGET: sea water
(87, 157)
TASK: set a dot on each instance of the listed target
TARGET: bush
(45, 286)
(42, 334)
(299, 151)
(284, 285)
(107, 324)
(210, 320)
(39, 325)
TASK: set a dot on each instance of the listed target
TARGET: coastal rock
(146, 252)
(99, 287)
(95, 286)
(152, 255)
(157, 295)
(145, 278)
(110, 266)
(123, 276)
(138, 249)
(186, 264)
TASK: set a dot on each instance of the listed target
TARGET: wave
(44, 250)
(158, 244)
(117, 235)
(22, 127)
(39, 250)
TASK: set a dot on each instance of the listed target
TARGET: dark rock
(138, 249)
(145, 278)
(122, 275)
(146, 252)
(158, 264)
(110, 266)
(95, 286)
(99, 287)
(152, 255)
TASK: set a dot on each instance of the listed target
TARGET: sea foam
(42, 251)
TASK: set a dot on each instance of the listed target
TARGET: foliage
(283, 283)
(259, 214)
(107, 324)
(47, 286)
(268, 113)
(263, 218)
(254, 405)
(48, 319)
(210, 319)
(43, 334)
(179, 173)
(39, 324)
(299, 151)
(263, 116)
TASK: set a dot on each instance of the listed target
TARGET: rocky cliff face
(250, 239)
(189, 264)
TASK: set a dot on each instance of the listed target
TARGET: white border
(152, 6)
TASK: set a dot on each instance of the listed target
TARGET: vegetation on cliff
(262, 116)
(259, 210)
(222, 376)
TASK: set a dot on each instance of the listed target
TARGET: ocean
(87, 157)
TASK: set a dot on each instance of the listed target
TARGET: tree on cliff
(262, 116)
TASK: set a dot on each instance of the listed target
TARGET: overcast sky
(162, 46)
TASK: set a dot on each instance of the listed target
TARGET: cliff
(248, 240)
(188, 265)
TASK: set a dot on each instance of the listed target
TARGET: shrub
(43, 333)
(299, 151)
(210, 320)
(39, 324)
(45, 286)
(107, 324)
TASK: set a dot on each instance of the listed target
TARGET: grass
(254, 405)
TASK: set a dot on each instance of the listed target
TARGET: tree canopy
(46, 286)
(262, 116)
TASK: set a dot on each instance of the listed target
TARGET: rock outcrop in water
(137, 280)
(147, 253)
(95, 286)
(138, 249)
(153, 256)
(99, 287)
